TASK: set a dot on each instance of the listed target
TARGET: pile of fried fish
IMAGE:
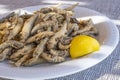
(43, 36)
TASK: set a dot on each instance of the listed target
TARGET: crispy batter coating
(28, 25)
(16, 30)
(39, 36)
(4, 54)
(11, 43)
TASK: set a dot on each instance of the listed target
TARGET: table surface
(109, 69)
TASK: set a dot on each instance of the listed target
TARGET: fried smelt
(28, 25)
(71, 7)
(40, 48)
(42, 25)
(2, 32)
(25, 57)
(16, 30)
(25, 17)
(62, 46)
(5, 36)
(87, 25)
(38, 51)
(71, 28)
(4, 54)
(21, 52)
(52, 59)
(5, 25)
(38, 61)
(39, 36)
(52, 42)
(7, 17)
(44, 36)
(61, 53)
(11, 43)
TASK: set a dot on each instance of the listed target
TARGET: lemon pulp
(82, 45)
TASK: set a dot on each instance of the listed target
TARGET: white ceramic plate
(108, 38)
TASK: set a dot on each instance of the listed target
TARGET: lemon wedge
(82, 45)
